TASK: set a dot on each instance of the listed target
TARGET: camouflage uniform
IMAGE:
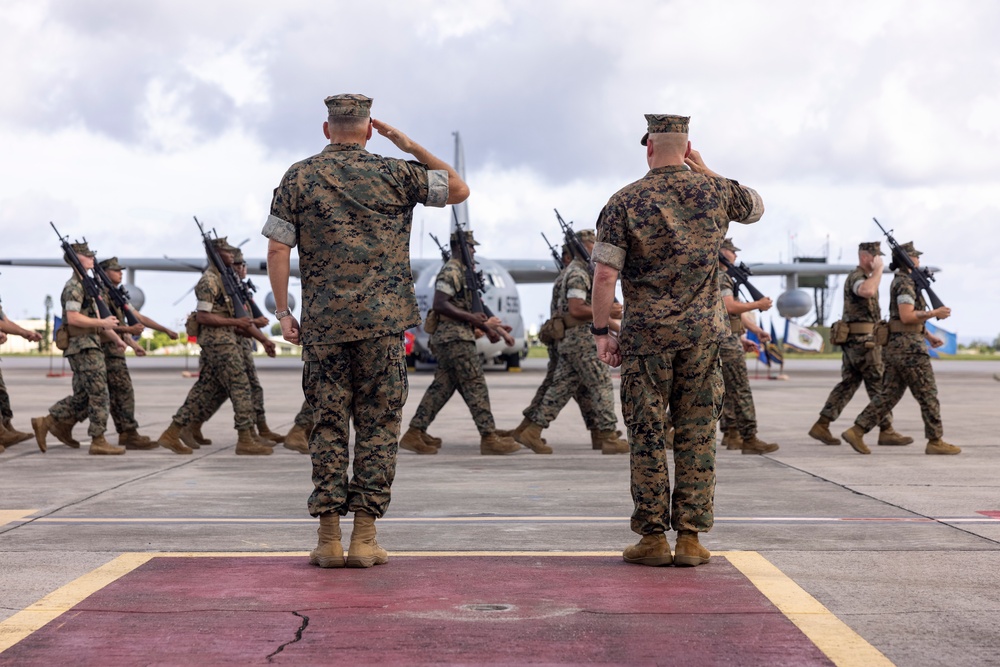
(304, 418)
(86, 359)
(582, 397)
(215, 401)
(223, 370)
(907, 366)
(578, 369)
(458, 365)
(350, 213)
(663, 234)
(738, 409)
(862, 359)
(5, 410)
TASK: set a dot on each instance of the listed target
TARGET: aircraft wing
(811, 269)
(529, 270)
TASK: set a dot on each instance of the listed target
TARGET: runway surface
(820, 555)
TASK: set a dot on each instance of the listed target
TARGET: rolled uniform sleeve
(905, 298)
(856, 287)
(745, 205)
(437, 188)
(281, 231)
(73, 297)
(281, 223)
(450, 280)
(611, 237)
(206, 293)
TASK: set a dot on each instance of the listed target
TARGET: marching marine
(453, 343)
(907, 363)
(81, 336)
(861, 360)
(741, 433)
(8, 434)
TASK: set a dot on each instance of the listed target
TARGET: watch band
(603, 331)
(281, 314)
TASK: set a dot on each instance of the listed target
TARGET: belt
(860, 327)
(896, 326)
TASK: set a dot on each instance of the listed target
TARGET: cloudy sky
(120, 120)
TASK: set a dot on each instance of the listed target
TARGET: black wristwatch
(603, 331)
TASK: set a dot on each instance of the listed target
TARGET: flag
(764, 359)
(801, 338)
(56, 323)
(774, 351)
(950, 341)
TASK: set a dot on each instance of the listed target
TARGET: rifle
(248, 289)
(118, 294)
(89, 284)
(555, 253)
(741, 277)
(573, 241)
(445, 253)
(921, 276)
(229, 279)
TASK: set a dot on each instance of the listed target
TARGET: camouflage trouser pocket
(396, 378)
(873, 356)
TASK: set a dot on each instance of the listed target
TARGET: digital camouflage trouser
(366, 381)
(690, 381)
(120, 392)
(223, 369)
(458, 369)
(906, 370)
(738, 411)
(215, 401)
(858, 364)
(304, 418)
(578, 371)
(582, 398)
(90, 392)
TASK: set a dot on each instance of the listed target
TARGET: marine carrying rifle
(922, 277)
(229, 280)
(445, 253)
(741, 277)
(248, 289)
(118, 294)
(573, 241)
(89, 284)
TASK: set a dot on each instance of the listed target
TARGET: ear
(649, 150)
(371, 127)
(326, 129)
(687, 151)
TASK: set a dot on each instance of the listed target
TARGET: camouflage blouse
(663, 233)
(451, 281)
(904, 290)
(74, 297)
(859, 308)
(212, 298)
(350, 212)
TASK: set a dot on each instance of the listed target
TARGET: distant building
(18, 345)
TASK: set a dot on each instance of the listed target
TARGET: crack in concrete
(298, 636)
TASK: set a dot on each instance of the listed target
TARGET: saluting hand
(403, 142)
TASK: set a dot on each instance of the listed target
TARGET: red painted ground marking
(993, 514)
(421, 610)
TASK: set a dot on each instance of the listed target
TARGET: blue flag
(56, 323)
(764, 359)
(774, 351)
(950, 341)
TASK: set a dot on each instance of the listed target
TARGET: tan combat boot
(8, 438)
(297, 440)
(100, 446)
(821, 431)
(364, 550)
(493, 444)
(531, 437)
(939, 446)
(20, 435)
(431, 440)
(195, 428)
(266, 432)
(892, 438)
(171, 440)
(595, 438)
(513, 433)
(132, 440)
(63, 431)
(651, 550)
(328, 552)
(689, 552)
(247, 444)
(757, 446)
(187, 437)
(612, 444)
(855, 437)
(412, 442)
(731, 439)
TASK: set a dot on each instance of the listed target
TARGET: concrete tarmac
(901, 548)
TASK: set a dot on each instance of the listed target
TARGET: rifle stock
(117, 293)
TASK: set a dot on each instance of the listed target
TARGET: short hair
(348, 124)
(670, 141)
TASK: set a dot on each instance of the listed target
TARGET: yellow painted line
(50, 607)
(833, 637)
(10, 516)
